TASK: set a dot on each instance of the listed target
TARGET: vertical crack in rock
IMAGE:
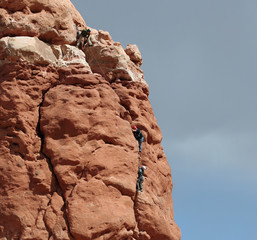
(130, 117)
(39, 133)
(51, 167)
(135, 200)
(140, 225)
(134, 208)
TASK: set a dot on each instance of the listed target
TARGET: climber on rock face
(84, 34)
(140, 178)
(139, 137)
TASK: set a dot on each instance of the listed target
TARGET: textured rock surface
(26, 49)
(109, 59)
(35, 51)
(50, 20)
(68, 158)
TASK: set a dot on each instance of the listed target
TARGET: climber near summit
(85, 35)
(139, 137)
(140, 178)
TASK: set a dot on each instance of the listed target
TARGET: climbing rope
(139, 160)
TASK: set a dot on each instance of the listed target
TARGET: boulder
(51, 21)
(109, 59)
(30, 49)
(35, 51)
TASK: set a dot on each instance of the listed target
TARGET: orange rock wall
(68, 157)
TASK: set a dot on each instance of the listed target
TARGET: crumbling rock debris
(68, 157)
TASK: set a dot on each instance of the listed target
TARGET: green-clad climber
(140, 178)
(85, 35)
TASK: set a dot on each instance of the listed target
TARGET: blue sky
(200, 61)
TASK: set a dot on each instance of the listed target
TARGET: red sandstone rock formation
(68, 158)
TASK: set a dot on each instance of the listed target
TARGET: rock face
(68, 157)
(51, 21)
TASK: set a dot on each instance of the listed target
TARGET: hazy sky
(200, 61)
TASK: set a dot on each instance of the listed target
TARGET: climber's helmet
(134, 128)
(88, 30)
(144, 167)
